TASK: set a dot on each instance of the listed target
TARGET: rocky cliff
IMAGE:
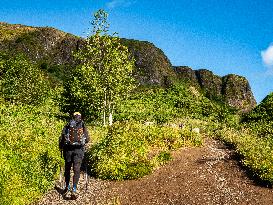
(52, 49)
(232, 89)
(41, 44)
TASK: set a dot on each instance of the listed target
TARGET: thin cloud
(119, 3)
(267, 56)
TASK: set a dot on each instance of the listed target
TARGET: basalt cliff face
(232, 89)
(52, 49)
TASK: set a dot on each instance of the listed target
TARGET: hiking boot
(74, 196)
(66, 190)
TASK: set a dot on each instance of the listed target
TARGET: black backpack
(74, 134)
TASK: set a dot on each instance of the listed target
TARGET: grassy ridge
(29, 152)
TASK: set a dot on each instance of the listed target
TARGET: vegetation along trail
(206, 175)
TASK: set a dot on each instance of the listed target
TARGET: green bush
(162, 158)
(28, 152)
(130, 150)
(21, 81)
(178, 101)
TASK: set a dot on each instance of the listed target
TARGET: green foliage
(21, 81)
(129, 150)
(28, 152)
(178, 101)
(264, 111)
(162, 158)
(104, 75)
(260, 119)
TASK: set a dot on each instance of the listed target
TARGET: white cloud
(119, 3)
(267, 56)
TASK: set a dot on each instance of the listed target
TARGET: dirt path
(206, 175)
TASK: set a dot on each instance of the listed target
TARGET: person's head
(77, 116)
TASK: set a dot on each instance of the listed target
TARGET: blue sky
(224, 36)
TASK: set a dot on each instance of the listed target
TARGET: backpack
(74, 134)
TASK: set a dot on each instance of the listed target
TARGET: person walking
(72, 144)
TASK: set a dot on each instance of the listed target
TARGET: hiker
(72, 144)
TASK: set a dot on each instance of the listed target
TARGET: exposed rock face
(211, 84)
(50, 46)
(153, 66)
(39, 43)
(232, 89)
(237, 92)
(187, 75)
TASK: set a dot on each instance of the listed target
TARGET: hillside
(263, 112)
(52, 50)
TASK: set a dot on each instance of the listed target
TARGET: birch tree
(105, 74)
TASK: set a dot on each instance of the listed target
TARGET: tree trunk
(104, 110)
(110, 115)
(111, 118)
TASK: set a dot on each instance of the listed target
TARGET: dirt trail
(206, 175)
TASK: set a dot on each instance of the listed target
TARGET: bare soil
(204, 175)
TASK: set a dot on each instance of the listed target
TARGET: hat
(76, 113)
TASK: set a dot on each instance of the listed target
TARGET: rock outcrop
(153, 66)
(40, 44)
(237, 93)
(232, 89)
(49, 47)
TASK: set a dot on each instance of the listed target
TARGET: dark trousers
(73, 157)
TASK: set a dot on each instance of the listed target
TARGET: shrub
(178, 101)
(22, 81)
(130, 150)
(28, 152)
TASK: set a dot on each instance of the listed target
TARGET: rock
(231, 89)
(187, 75)
(210, 84)
(237, 92)
(152, 66)
(196, 130)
